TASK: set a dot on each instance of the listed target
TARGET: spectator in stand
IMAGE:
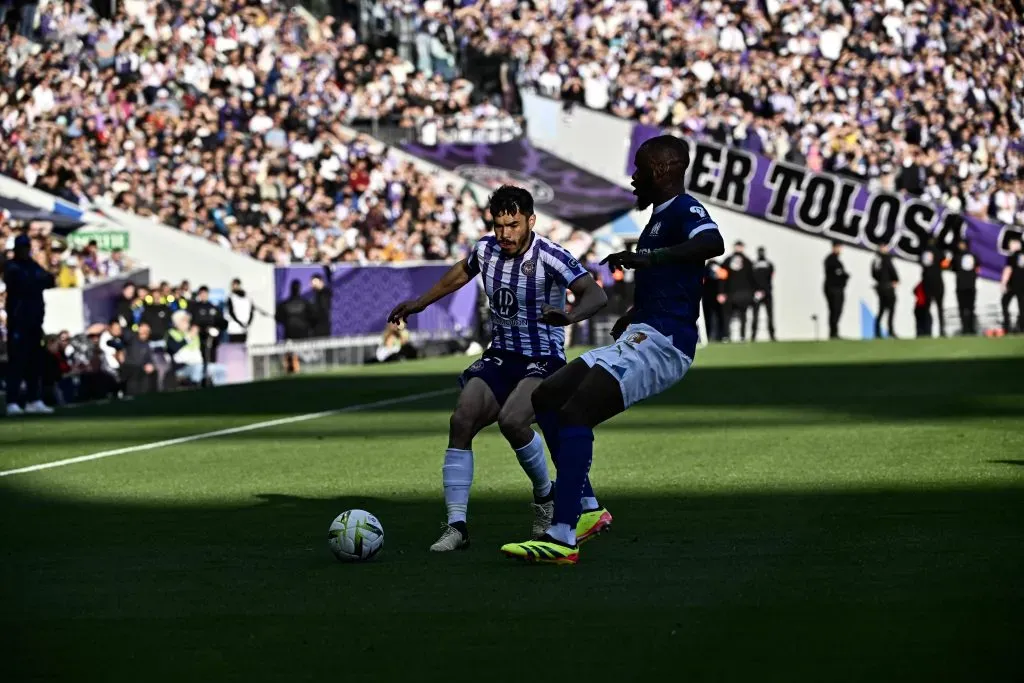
(229, 125)
(918, 95)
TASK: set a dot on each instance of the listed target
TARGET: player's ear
(532, 220)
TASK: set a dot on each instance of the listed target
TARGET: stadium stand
(229, 126)
(921, 97)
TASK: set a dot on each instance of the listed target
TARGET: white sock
(535, 464)
(564, 533)
(457, 475)
(589, 503)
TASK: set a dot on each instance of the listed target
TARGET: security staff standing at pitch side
(932, 263)
(836, 278)
(712, 299)
(886, 278)
(966, 268)
(739, 289)
(1013, 287)
(26, 281)
(764, 273)
(207, 317)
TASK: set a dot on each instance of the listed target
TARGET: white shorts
(643, 360)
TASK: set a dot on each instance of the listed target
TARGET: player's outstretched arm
(703, 246)
(590, 298)
(457, 276)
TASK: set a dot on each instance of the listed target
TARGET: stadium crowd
(230, 120)
(226, 120)
(921, 96)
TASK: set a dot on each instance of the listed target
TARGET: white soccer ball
(355, 536)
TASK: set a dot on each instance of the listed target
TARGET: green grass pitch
(794, 512)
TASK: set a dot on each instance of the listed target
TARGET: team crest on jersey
(636, 338)
(504, 302)
(529, 268)
(655, 228)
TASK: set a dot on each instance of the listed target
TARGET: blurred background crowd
(267, 127)
(233, 119)
(921, 97)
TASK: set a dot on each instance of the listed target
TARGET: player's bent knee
(516, 428)
(462, 429)
(544, 398)
(573, 415)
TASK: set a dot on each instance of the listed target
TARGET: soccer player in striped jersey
(525, 277)
(655, 341)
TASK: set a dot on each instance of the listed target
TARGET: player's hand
(553, 315)
(403, 310)
(626, 259)
(619, 327)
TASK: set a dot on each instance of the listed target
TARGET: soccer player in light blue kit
(525, 277)
(655, 341)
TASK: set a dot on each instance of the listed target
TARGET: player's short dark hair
(669, 150)
(508, 200)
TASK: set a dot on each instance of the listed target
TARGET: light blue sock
(535, 464)
(457, 475)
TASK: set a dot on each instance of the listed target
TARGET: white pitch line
(226, 432)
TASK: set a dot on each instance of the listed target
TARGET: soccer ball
(355, 536)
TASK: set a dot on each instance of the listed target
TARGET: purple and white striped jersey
(519, 287)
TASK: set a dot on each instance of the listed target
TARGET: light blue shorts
(643, 360)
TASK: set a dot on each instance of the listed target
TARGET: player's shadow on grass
(903, 584)
(1019, 463)
(882, 391)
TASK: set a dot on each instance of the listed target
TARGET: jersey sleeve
(696, 220)
(473, 260)
(561, 265)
